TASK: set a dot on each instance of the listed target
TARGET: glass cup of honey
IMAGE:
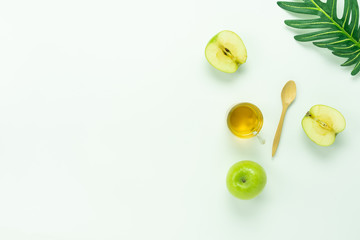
(245, 120)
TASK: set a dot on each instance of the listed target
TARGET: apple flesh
(226, 51)
(246, 179)
(322, 123)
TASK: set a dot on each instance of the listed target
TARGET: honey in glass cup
(245, 120)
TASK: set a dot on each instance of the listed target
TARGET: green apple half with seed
(226, 51)
(245, 179)
(322, 123)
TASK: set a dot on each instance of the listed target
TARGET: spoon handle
(278, 131)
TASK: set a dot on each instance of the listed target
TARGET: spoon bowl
(288, 93)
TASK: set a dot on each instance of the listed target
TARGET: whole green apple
(246, 179)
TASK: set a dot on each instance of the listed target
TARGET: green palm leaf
(340, 35)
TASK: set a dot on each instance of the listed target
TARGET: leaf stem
(336, 24)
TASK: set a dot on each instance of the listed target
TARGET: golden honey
(245, 120)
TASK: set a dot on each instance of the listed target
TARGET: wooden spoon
(288, 95)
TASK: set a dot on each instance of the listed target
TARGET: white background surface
(113, 124)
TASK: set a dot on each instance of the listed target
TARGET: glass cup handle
(259, 137)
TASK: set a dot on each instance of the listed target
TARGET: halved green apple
(322, 123)
(226, 51)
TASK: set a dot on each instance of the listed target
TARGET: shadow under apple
(222, 76)
(246, 208)
(320, 151)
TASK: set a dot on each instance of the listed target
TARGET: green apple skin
(322, 124)
(246, 179)
(226, 51)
